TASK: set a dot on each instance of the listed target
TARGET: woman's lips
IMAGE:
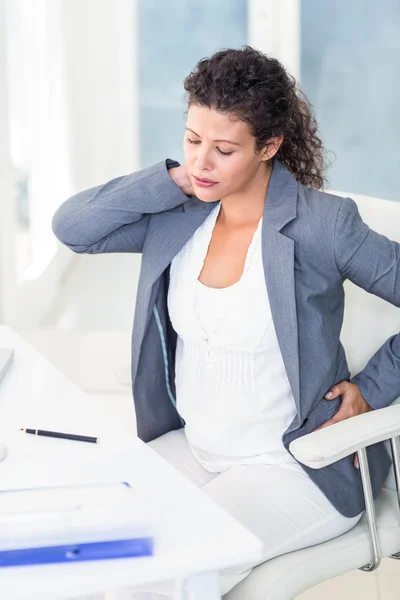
(205, 183)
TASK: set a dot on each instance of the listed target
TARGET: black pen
(64, 436)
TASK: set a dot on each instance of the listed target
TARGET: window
(350, 53)
(173, 37)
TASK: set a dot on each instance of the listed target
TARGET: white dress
(231, 384)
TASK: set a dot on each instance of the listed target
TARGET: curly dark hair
(256, 89)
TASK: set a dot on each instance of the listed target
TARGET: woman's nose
(203, 161)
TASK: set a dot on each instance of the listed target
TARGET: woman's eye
(198, 142)
(224, 153)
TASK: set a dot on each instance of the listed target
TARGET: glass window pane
(173, 37)
(349, 64)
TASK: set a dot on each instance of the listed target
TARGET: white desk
(197, 537)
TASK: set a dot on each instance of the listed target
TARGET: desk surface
(195, 536)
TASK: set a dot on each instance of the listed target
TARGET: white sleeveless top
(231, 384)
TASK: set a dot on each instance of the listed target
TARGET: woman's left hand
(353, 404)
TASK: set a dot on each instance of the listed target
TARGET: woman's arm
(114, 217)
(371, 261)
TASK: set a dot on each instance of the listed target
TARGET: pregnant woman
(235, 348)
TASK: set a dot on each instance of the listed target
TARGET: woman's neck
(246, 207)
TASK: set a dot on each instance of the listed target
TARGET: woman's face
(220, 149)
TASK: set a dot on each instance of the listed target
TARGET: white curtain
(274, 28)
(39, 124)
(73, 116)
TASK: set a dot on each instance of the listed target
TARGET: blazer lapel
(166, 236)
(170, 232)
(278, 260)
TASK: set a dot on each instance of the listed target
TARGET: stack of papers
(74, 523)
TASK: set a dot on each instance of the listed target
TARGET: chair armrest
(328, 445)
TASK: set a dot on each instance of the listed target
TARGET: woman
(240, 303)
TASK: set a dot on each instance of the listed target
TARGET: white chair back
(368, 320)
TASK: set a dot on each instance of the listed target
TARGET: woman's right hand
(180, 176)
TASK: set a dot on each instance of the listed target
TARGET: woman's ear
(272, 147)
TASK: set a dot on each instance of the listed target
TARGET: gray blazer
(311, 243)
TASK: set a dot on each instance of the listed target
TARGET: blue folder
(74, 523)
(77, 552)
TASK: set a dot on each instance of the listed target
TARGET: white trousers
(278, 503)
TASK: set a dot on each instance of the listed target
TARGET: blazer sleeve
(113, 217)
(371, 261)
